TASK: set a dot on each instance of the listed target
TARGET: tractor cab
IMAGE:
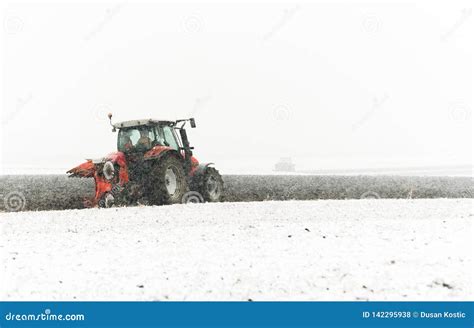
(139, 137)
(148, 136)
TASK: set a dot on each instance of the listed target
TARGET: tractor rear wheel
(212, 186)
(168, 181)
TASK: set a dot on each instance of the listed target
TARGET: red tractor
(154, 165)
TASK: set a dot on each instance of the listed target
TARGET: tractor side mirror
(193, 122)
(109, 115)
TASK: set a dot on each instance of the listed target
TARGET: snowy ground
(293, 250)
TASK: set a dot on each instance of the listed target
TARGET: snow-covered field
(292, 250)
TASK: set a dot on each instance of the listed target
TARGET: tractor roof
(148, 121)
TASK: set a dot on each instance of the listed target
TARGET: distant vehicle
(285, 165)
(154, 164)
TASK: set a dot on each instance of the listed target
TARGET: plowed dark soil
(58, 192)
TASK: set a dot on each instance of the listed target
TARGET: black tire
(162, 184)
(211, 186)
(106, 201)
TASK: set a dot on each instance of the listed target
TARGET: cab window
(169, 137)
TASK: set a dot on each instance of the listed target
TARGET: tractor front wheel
(168, 181)
(106, 201)
(212, 186)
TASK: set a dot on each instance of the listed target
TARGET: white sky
(348, 85)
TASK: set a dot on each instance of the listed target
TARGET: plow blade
(85, 170)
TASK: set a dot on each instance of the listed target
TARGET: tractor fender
(201, 170)
(165, 151)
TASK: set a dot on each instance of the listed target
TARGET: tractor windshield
(141, 138)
